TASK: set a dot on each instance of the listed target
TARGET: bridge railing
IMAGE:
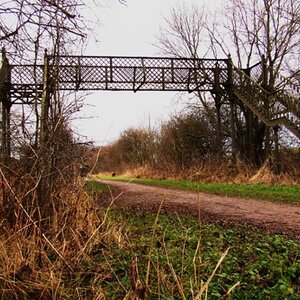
(121, 73)
(137, 73)
(270, 107)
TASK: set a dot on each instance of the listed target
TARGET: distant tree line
(179, 147)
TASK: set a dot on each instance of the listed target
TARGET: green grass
(267, 267)
(95, 187)
(279, 193)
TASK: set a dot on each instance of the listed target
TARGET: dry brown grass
(216, 171)
(145, 171)
(53, 264)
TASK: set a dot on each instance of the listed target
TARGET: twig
(178, 283)
(98, 228)
(152, 242)
(205, 286)
(231, 289)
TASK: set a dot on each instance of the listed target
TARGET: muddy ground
(270, 217)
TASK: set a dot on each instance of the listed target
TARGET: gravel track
(274, 218)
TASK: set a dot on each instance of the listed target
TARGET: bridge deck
(121, 74)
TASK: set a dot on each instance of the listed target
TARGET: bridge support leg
(251, 142)
(6, 145)
(5, 130)
(233, 131)
(232, 106)
(276, 150)
(218, 98)
(265, 85)
(45, 102)
(5, 107)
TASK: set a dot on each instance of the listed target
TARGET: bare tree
(248, 30)
(267, 31)
(26, 29)
(181, 35)
(184, 35)
(255, 28)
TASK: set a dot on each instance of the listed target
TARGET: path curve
(275, 218)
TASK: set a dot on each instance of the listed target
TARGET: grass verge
(182, 255)
(279, 193)
(164, 257)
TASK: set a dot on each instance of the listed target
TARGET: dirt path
(271, 217)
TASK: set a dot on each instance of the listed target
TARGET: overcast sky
(127, 31)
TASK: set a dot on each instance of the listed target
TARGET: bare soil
(273, 218)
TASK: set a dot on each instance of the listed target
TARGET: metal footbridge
(26, 84)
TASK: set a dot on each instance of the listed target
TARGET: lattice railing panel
(120, 73)
(277, 110)
(250, 90)
(26, 74)
(136, 73)
(159, 62)
(26, 83)
(256, 72)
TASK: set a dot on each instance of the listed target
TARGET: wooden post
(45, 102)
(6, 105)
